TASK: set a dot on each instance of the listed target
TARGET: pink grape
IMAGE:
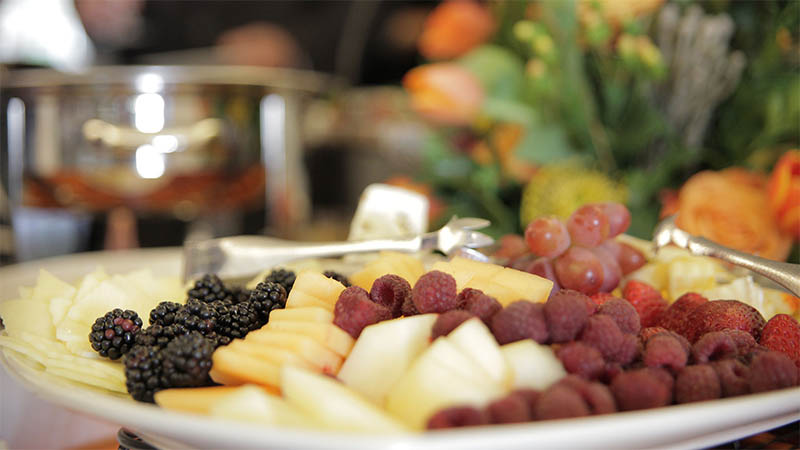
(619, 218)
(543, 267)
(588, 226)
(579, 269)
(612, 247)
(629, 258)
(511, 247)
(611, 270)
(547, 236)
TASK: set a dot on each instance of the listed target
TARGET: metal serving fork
(241, 256)
(785, 274)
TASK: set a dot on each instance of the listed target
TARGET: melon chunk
(403, 265)
(307, 314)
(328, 335)
(474, 339)
(231, 367)
(316, 285)
(304, 346)
(193, 400)
(533, 365)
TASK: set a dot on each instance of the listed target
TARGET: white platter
(685, 426)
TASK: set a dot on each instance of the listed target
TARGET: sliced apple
(328, 335)
(474, 339)
(307, 314)
(382, 354)
(333, 405)
(193, 400)
(304, 346)
(254, 404)
(532, 365)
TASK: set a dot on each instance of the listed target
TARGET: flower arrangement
(533, 106)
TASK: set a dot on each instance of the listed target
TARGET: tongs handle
(785, 274)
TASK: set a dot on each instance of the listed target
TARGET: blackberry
(283, 277)
(235, 321)
(266, 297)
(338, 277)
(238, 294)
(196, 316)
(208, 289)
(158, 336)
(164, 313)
(143, 372)
(186, 360)
(113, 335)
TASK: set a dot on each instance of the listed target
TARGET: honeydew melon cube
(474, 339)
(382, 354)
(254, 404)
(533, 365)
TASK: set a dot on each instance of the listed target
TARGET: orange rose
(444, 93)
(783, 189)
(731, 208)
(454, 28)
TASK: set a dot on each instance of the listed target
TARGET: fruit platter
(573, 335)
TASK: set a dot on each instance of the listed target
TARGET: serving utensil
(785, 274)
(241, 256)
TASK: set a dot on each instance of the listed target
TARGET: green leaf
(545, 144)
(504, 110)
(501, 72)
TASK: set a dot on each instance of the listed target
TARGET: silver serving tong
(241, 256)
(785, 274)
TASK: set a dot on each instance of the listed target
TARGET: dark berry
(186, 361)
(697, 383)
(560, 402)
(409, 308)
(283, 277)
(597, 396)
(338, 277)
(354, 310)
(623, 313)
(391, 291)
(456, 417)
(208, 289)
(520, 320)
(196, 315)
(480, 304)
(581, 359)
(448, 322)
(265, 298)
(158, 336)
(435, 292)
(114, 334)
(566, 315)
(513, 408)
(164, 313)
(235, 321)
(143, 372)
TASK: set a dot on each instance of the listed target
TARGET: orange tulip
(731, 208)
(444, 93)
(454, 28)
(783, 189)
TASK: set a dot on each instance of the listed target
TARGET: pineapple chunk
(505, 284)
(405, 266)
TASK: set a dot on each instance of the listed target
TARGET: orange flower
(783, 189)
(731, 208)
(454, 28)
(444, 93)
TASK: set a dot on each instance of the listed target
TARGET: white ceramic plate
(685, 426)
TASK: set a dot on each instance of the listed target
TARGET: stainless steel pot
(201, 144)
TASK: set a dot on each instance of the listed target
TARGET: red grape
(511, 247)
(619, 218)
(547, 236)
(612, 247)
(543, 267)
(611, 270)
(588, 226)
(629, 258)
(579, 269)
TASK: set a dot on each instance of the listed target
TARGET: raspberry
(623, 313)
(721, 315)
(520, 320)
(513, 408)
(678, 315)
(744, 341)
(566, 315)
(713, 346)
(596, 395)
(662, 375)
(354, 311)
(610, 371)
(591, 307)
(391, 291)
(560, 402)
(601, 297)
(480, 304)
(639, 389)
(582, 359)
(629, 349)
(684, 342)
(697, 383)
(772, 370)
(602, 333)
(665, 351)
(646, 333)
(456, 417)
(448, 322)
(733, 377)
(408, 308)
(647, 301)
(782, 334)
(435, 292)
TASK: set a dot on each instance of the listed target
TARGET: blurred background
(133, 123)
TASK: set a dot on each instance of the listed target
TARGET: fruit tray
(682, 426)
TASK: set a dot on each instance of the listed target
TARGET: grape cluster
(580, 254)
